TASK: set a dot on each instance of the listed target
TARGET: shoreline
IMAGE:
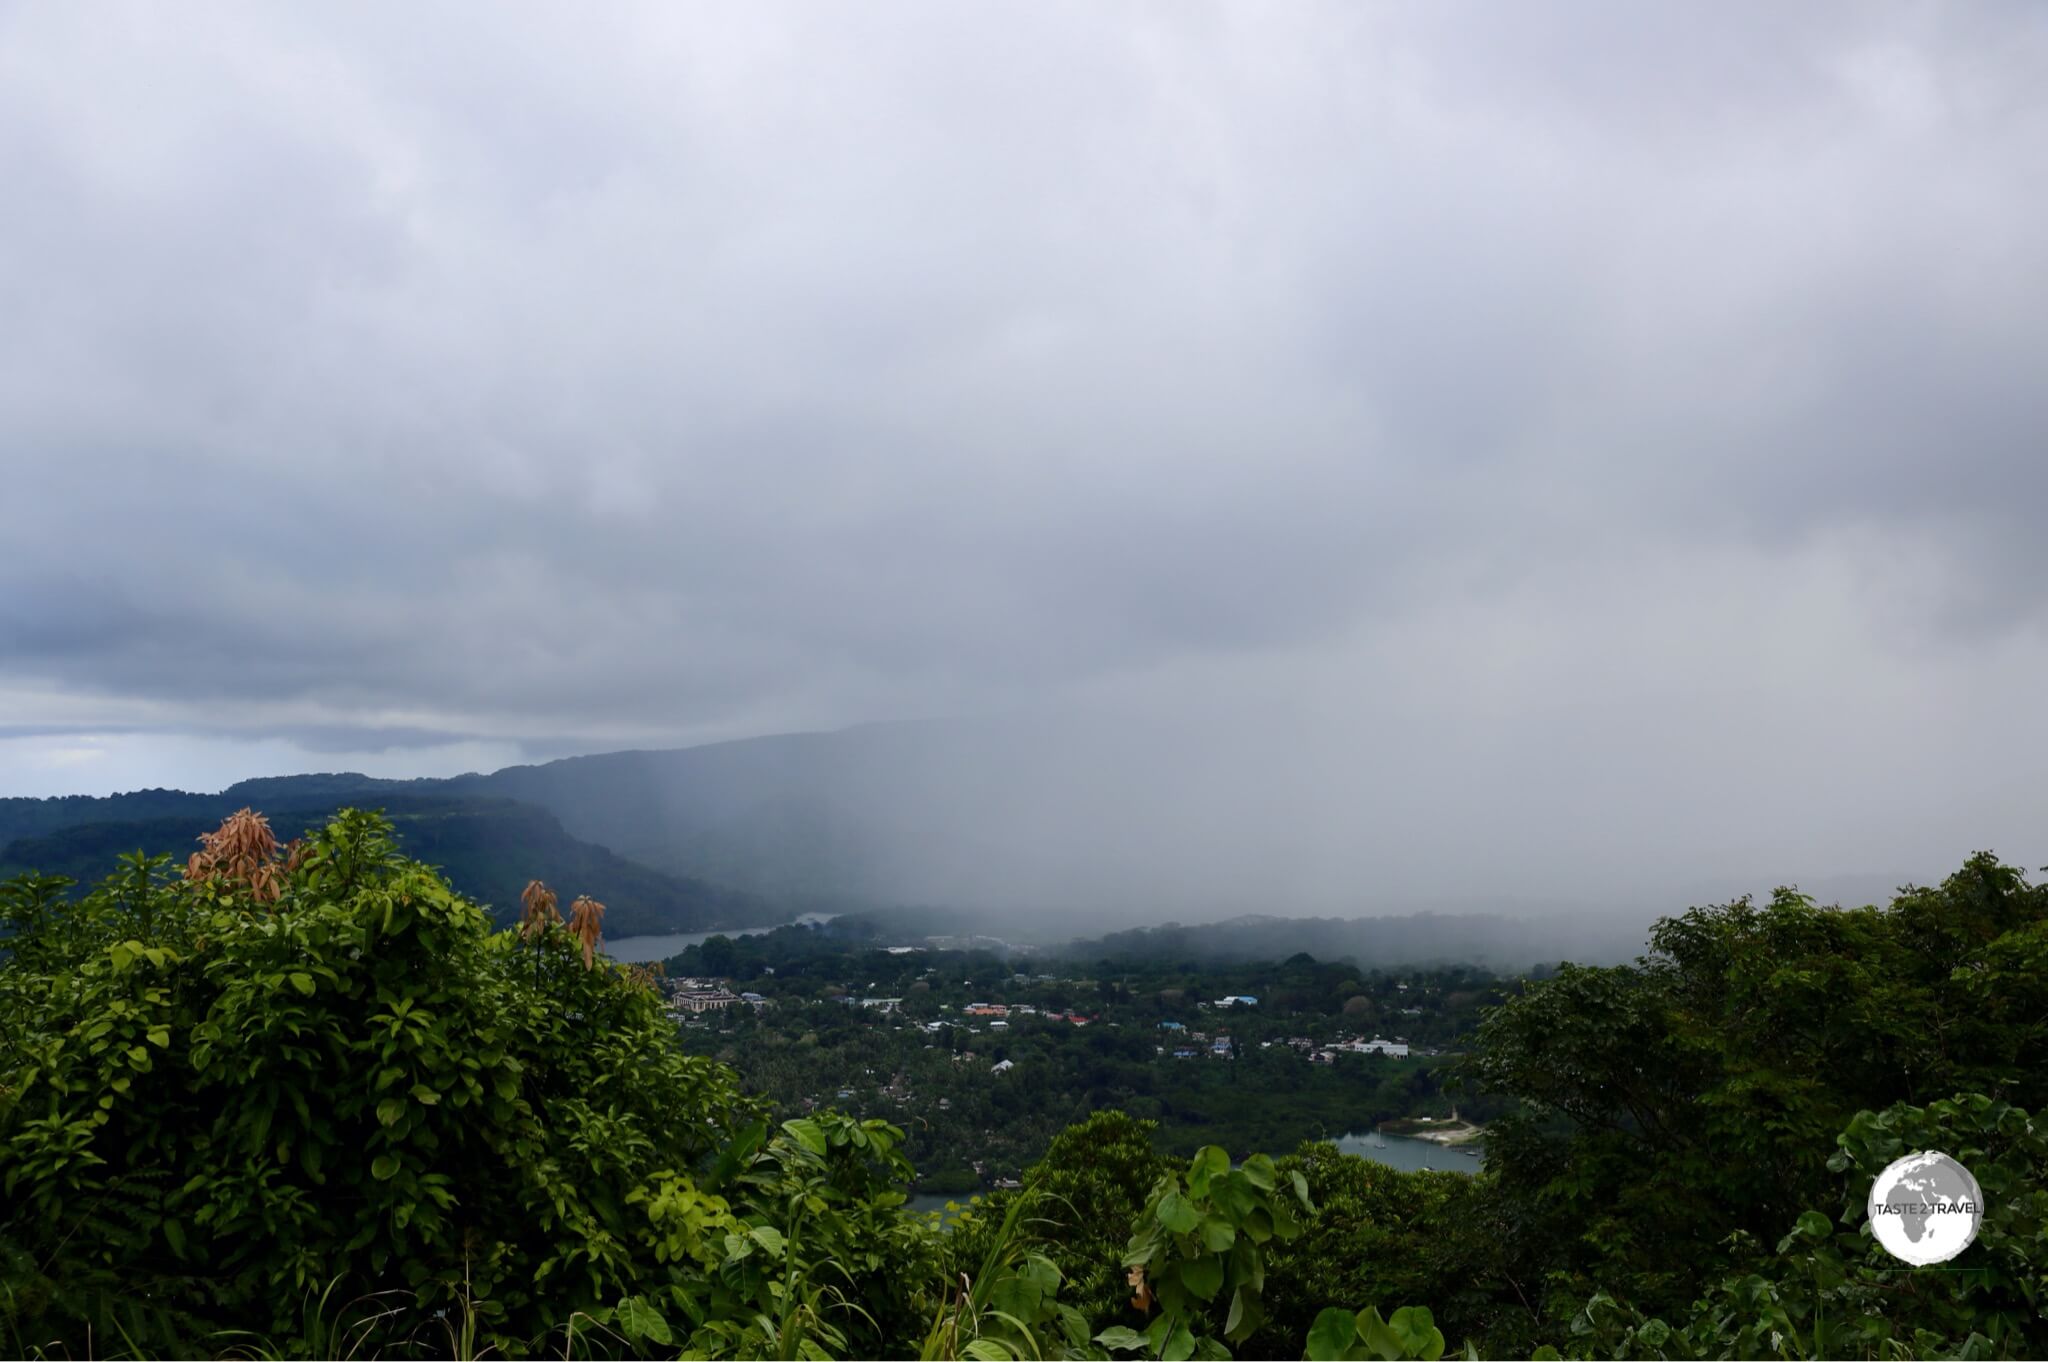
(1436, 1132)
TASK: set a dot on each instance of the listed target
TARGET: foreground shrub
(317, 1071)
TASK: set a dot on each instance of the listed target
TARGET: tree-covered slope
(488, 848)
(305, 1102)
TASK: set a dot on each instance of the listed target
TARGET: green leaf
(1234, 1195)
(1176, 1214)
(303, 983)
(390, 1109)
(1815, 1225)
(1018, 1298)
(1246, 1314)
(159, 1036)
(1259, 1171)
(1203, 1277)
(425, 1095)
(1378, 1337)
(768, 1237)
(1218, 1234)
(384, 1167)
(1209, 1161)
(638, 1319)
(1416, 1328)
(987, 1350)
(1331, 1336)
(174, 1235)
(1122, 1339)
(807, 1133)
(1236, 1315)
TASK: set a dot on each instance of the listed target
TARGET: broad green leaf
(638, 1319)
(1380, 1339)
(1218, 1234)
(1018, 1297)
(988, 1350)
(384, 1167)
(1209, 1161)
(1234, 1195)
(1259, 1171)
(303, 982)
(390, 1109)
(159, 1036)
(1416, 1328)
(807, 1133)
(1247, 1314)
(1122, 1339)
(1176, 1214)
(1203, 1277)
(1815, 1225)
(1331, 1336)
(424, 1094)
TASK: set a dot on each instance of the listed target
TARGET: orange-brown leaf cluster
(586, 924)
(243, 850)
(540, 910)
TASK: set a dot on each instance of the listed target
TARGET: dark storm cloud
(1581, 408)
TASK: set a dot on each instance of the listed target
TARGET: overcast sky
(1604, 429)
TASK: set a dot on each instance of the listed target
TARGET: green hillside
(489, 849)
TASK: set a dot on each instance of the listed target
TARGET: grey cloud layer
(509, 376)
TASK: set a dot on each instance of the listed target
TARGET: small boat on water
(1376, 1140)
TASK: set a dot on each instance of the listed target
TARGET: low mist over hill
(1034, 830)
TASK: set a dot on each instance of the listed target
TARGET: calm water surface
(635, 950)
(1403, 1152)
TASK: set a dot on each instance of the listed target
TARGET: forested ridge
(307, 1100)
(487, 847)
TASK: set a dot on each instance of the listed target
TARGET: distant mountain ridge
(1052, 829)
(488, 847)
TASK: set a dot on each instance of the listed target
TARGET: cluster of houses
(1327, 1054)
(693, 996)
(1194, 1044)
(1002, 1012)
